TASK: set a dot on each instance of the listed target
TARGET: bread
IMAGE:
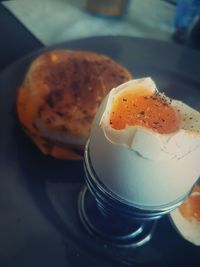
(60, 95)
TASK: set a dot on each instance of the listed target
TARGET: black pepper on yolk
(141, 107)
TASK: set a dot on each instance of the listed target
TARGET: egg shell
(141, 181)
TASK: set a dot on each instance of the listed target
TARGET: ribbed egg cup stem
(113, 220)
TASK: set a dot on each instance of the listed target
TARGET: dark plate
(39, 225)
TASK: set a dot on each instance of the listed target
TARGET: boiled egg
(186, 218)
(144, 146)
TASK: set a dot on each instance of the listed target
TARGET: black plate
(39, 225)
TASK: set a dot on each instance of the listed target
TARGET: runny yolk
(139, 107)
(191, 207)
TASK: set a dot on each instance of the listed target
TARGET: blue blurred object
(186, 11)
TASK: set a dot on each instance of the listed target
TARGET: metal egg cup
(112, 219)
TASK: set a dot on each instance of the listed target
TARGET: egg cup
(112, 219)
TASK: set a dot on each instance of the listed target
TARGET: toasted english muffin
(60, 95)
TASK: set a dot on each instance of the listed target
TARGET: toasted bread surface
(61, 93)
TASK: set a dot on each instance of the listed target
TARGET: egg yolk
(141, 107)
(191, 207)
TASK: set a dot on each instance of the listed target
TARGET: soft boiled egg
(144, 146)
(186, 218)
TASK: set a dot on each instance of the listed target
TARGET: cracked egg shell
(138, 163)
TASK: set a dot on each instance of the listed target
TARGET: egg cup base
(112, 230)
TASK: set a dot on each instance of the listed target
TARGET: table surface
(58, 21)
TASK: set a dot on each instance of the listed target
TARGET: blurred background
(54, 21)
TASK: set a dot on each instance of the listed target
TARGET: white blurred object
(56, 21)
